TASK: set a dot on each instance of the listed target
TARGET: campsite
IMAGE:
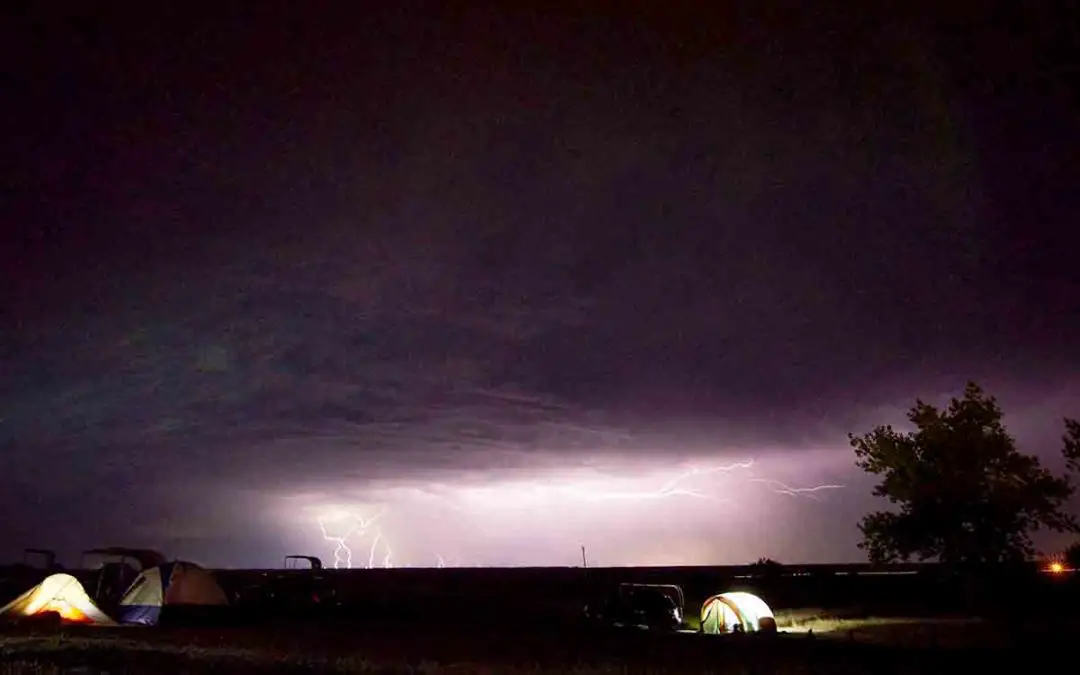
(175, 616)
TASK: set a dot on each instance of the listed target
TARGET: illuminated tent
(59, 593)
(729, 612)
(175, 584)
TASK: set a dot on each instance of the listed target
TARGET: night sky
(502, 275)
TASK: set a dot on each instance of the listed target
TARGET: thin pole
(584, 561)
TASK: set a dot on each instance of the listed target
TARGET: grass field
(507, 621)
(838, 645)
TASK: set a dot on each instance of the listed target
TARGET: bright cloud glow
(683, 513)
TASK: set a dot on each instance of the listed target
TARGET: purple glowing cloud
(510, 303)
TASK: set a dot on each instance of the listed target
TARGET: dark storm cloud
(272, 256)
(213, 364)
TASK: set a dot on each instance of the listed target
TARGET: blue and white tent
(172, 584)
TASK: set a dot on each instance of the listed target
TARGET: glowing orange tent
(728, 612)
(59, 593)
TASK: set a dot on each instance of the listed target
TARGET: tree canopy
(1072, 556)
(961, 491)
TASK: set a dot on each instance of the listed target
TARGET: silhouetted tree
(1072, 556)
(1072, 459)
(1072, 445)
(964, 493)
(766, 567)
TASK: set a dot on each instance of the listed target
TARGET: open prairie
(440, 647)
(530, 620)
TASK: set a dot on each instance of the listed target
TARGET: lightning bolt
(672, 487)
(342, 552)
(387, 558)
(374, 546)
(784, 489)
(675, 487)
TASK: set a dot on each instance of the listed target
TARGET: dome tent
(115, 569)
(175, 584)
(61, 594)
(736, 612)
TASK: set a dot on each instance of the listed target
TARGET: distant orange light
(1056, 568)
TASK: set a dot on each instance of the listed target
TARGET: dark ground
(440, 647)
(466, 621)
